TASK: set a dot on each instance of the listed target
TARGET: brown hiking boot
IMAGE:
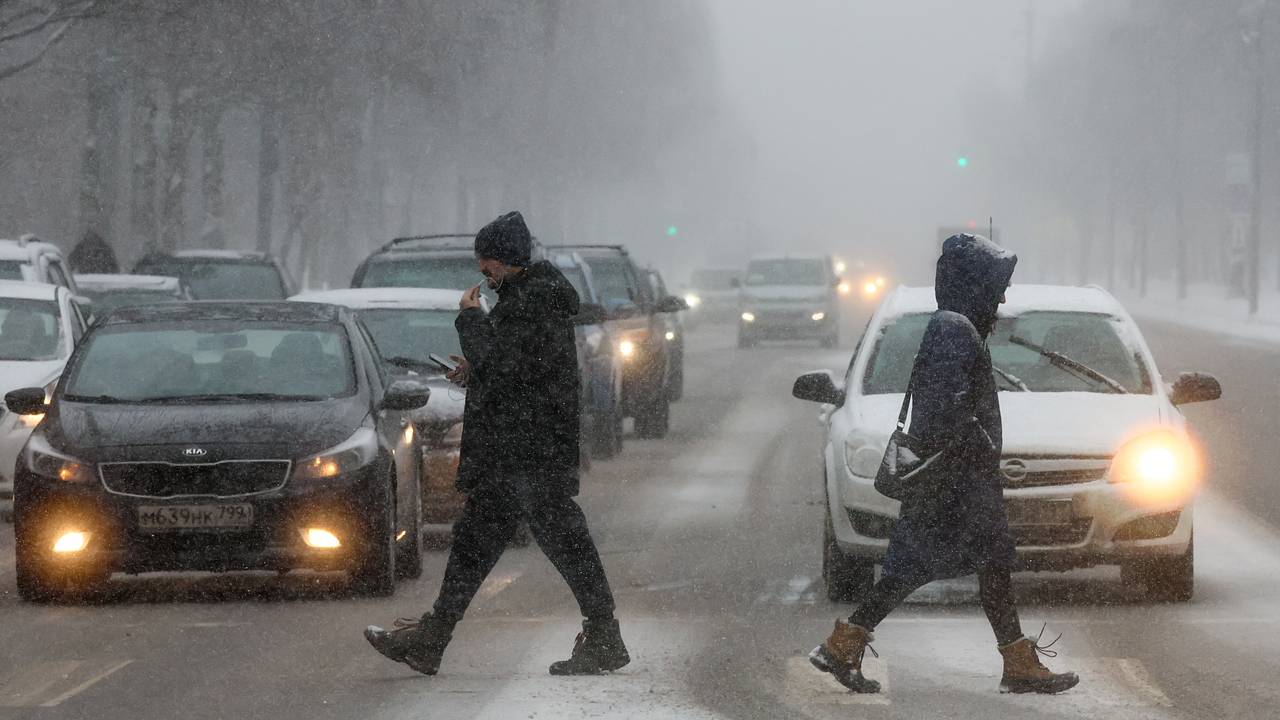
(841, 655)
(1024, 673)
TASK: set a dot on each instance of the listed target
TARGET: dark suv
(635, 318)
(222, 274)
(426, 261)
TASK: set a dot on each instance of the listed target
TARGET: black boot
(417, 643)
(598, 648)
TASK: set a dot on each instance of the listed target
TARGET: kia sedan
(1098, 467)
(219, 437)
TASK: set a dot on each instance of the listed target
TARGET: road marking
(25, 687)
(1136, 673)
(495, 585)
(806, 685)
(86, 684)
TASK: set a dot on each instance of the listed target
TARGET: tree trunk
(268, 165)
(181, 130)
(101, 132)
(212, 166)
(145, 161)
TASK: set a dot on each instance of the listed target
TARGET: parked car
(674, 337)
(427, 261)
(712, 295)
(599, 361)
(31, 259)
(218, 437)
(790, 297)
(635, 317)
(222, 274)
(107, 291)
(39, 327)
(1097, 467)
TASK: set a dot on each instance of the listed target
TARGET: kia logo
(1014, 470)
(194, 452)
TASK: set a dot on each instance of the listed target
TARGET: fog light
(627, 348)
(748, 317)
(72, 542)
(320, 538)
(671, 336)
(870, 288)
(819, 317)
(844, 288)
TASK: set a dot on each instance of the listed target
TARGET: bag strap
(906, 399)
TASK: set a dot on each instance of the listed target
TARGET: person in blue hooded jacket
(959, 526)
(519, 455)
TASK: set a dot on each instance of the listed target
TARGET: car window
(304, 361)
(221, 279)
(578, 280)
(452, 273)
(78, 323)
(374, 369)
(413, 334)
(31, 330)
(615, 282)
(1097, 340)
(11, 270)
(787, 272)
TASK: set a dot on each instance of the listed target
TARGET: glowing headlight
(352, 454)
(880, 282)
(692, 300)
(626, 348)
(1158, 468)
(819, 316)
(862, 455)
(45, 461)
(871, 288)
(844, 288)
(670, 335)
(748, 317)
(840, 266)
(71, 542)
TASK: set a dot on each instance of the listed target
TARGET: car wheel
(409, 551)
(846, 580)
(675, 384)
(1166, 579)
(376, 575)
(654, 419)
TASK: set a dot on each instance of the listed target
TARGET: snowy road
(711, 538)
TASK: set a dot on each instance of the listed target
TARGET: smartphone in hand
(445, 363)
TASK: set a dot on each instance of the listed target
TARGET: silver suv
(790, 297)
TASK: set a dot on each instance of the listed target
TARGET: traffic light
(962, 161)
(672, 231)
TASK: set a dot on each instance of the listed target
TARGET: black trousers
(489, 520)
(995, 587)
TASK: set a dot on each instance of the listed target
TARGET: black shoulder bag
(905, 471)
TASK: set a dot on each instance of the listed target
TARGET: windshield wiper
(1012, 379)
(95, 399)
(409, 363)
(1074, 367)
(227, 397)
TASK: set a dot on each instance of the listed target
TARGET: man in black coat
(957, 526)
(519, 456)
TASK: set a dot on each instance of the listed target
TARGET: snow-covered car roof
(98, 281)
(1020, 299)
(384, 297)
(28, 290)
(25, 249)
(214, 254)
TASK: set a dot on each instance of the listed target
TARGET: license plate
(1039, 512)
(195, 517)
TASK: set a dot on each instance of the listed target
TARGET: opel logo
(194, 452)
(1014, 470)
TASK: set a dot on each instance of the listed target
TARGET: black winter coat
(961, 527)
(523, 395)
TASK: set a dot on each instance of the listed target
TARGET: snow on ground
(1208, 308)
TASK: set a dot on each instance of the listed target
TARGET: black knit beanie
(506, 240)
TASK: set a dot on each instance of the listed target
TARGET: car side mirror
(819, 387)
(590, 314)
(405, 395)
(1194, 387)
(672, 304)
(25, 401)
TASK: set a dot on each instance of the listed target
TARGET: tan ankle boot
(1024, 673)
(841, 655)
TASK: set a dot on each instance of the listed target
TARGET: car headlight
(626, 348)
(818, 316)
(352, 454)
(45, 461)
(1158, 468)
(863, 454)
(749, 317)
(692, 300)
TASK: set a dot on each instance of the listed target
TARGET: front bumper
(344, 506)
(1107, 527)
(788, 324)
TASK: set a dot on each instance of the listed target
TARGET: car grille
(783, 316)
(1073, 533)
(167, 480)
(1025, 472)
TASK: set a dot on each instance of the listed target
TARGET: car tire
(606, 442)
(1166, 579)
(847, 580)
(376, 574)
(409, 554)
(675, 384)
(653, 421)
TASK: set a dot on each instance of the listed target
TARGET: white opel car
(1097, 468)
(39, 326)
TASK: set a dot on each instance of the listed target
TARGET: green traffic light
(962, 161)
(672, 231)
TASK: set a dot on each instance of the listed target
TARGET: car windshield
(104, 300)
(30, 330)
(412, 334)
(578, 280)
(614, 282)
(221, 279)
(10, 270)
(786, 272)
(713, 280)
(1096, 340)
(213, 360)
(452, 273)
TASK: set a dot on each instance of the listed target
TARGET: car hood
(296, 429)
(1049, 423)
(785, 293)
(15, 374)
